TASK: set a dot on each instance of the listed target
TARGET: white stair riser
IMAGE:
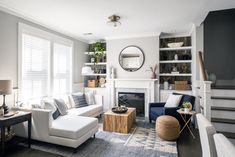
(223, 93)
(223, 103)
(224, 127)
(223, 114)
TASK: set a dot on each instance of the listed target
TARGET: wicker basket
(91, 83)
(181, 85)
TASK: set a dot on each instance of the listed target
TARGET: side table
(183, 116)
(12, 120)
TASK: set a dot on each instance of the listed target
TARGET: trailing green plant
(187, 105)
(98, 49)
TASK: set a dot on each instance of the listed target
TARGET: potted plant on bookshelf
(98, 49)
(187, 106)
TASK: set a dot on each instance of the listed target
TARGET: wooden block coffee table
(121, 123)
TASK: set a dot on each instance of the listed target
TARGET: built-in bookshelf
(175, 61)
(99, 69)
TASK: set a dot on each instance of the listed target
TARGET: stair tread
(224, 87)
(228, 134)
(223, 120)
(223, 97)
(223, 108)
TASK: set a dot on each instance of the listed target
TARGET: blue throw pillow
(79, 100)
(56, 114)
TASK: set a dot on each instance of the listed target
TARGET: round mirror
(131, 58)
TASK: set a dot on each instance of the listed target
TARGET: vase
(154, 75)
(186, 110)
(166, 85)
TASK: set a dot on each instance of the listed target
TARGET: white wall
(150, 47)
(9, 44)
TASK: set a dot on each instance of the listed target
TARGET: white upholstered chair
(224, 147)
(206, 131)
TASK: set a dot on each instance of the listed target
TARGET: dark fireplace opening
(135, 100)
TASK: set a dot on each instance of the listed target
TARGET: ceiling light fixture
(114, 21)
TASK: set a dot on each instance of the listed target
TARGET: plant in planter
(98, 49)
(187, 106)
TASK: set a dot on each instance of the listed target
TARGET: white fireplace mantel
(148, 86)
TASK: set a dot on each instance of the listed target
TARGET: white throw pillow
(62, 107)
(173, 101)
(90, 98)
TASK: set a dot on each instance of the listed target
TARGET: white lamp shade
(86, 70)
(6, 87)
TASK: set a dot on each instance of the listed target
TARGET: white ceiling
(138, 17)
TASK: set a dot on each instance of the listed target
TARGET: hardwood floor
(187, 146)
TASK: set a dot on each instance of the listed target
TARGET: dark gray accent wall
(219, 43)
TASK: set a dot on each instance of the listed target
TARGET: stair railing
(206, 98)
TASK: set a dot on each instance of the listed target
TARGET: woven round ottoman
(167, 127)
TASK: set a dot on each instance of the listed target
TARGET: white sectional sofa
(70, 130)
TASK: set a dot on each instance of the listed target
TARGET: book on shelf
(175, 72)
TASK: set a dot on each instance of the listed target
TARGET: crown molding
(154, 34)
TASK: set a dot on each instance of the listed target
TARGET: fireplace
(130, 99)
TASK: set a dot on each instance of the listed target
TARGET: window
(45, 63)
(62, 70)
(35, 67)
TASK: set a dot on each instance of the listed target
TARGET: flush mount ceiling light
(114, 21)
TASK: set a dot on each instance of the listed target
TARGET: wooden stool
(167, 127)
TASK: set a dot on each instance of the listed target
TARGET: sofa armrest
(160, 104)
(41, 122)
(98, 99)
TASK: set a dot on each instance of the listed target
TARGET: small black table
(6, 122)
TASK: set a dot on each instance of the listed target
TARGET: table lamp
(5, 89)
(86, 70)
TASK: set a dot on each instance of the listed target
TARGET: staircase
(223, 111)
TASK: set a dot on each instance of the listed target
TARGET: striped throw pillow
(79, 100)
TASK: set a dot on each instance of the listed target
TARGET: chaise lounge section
(70, 130)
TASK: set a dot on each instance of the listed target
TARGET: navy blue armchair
(158, 109)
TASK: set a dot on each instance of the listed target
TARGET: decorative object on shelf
(187, 107)
(184, 68)
(176, 57)
(86, 70)
(174, 70)
(119, 109)
(114, 21)
(98, 49)
(181, 85)
(175, 44)
(5, 89)
(166, 85)
(92, 60)
(91, 83)
(102, 82)
(153, 70)
(131, 58)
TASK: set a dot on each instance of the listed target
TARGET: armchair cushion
(173, 100)
(156, 112)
